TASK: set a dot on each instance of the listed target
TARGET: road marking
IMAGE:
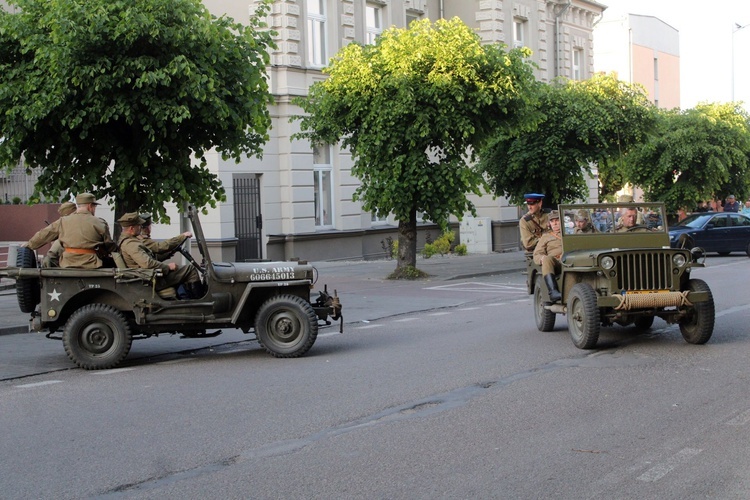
(468, 309)
(740, 419)
(367, 327)
(404, 320)
(38, 384)
(732, 310)
(658, 472)
(478, 287)
(111, 372)
(438, 314)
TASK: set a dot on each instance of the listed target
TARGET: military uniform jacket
(549, 244)
(162, 249)
(137, 255)
(79, 231)
(532, 226)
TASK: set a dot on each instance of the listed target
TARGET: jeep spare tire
(27, 289)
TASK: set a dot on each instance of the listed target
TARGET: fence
(16, 186)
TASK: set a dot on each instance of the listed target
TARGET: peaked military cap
(85, 199)
(130, 219)
(66, 208)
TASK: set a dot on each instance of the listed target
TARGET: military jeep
(101, 311)
(615, 273)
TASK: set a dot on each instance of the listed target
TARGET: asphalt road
(464, 399)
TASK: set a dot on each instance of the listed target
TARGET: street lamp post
(735, 29)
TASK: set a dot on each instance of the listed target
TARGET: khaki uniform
(532, 227)
(81, 234)
(137, 255)
(548, 252)
(162, 249)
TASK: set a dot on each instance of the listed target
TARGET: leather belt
(81, 250)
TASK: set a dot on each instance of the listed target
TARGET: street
(460, 398)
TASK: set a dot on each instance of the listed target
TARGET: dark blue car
(720, 232)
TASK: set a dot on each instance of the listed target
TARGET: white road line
(438, 314)
(367, 327)
(38, 384)
(740, 419)
(111, 372)
(658, 472)
(468, 309)
(404, 320)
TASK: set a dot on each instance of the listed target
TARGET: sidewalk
(349, 276)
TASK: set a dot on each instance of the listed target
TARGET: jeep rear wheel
(583, 316)
(698, 326)
(545, 319)
(97, 336)
(286, 326)
(27, 289)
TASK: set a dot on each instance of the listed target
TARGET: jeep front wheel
(698, 326)
(286, 326)
(583, 316)
(97, 337)
(545, 319)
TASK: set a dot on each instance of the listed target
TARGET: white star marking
(54, 295)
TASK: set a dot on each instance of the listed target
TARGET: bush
(442, 245)
(460, 249)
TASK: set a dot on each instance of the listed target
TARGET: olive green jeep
(618, 268)
(99, 312)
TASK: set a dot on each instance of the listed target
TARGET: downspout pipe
(442, 9)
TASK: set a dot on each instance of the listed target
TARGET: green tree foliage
(118, 97)
(695, 155)
(412, 109)
(585, 123)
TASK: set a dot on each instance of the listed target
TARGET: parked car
(719, 232)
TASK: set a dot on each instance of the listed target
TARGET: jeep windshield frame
(617, 226)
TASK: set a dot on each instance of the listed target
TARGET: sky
(707, 34)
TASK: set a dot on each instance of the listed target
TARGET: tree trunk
(407, 242)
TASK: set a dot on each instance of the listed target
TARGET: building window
(577, 64)
(519, 29)
(323, 184)
(316, 32)
(373, 22)
(411, 17)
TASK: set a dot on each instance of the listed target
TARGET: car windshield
(694, 221)
(591, 219)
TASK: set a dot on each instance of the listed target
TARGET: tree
(585, 123)
(119, 97)
(412, 109)
(695, 155)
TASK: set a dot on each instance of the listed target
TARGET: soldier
(52, 259)
(162, 250)
(137, 255)
(583, 223)
(548, 253)
(628, 220)
(534, 223)
(85, 238)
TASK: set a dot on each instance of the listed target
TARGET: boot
(194, 289)
(554, 293)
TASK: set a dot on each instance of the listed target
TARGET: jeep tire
(583, 316)
(97, 337)
(698, 326)
(545, 319)
(27, 289)
(286, 326)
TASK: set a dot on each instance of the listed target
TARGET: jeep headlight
(678, 259)
(608, 262)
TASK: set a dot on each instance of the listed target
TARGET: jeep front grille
(644, 271)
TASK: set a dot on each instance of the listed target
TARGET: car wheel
(286, 326)
(27, 289)
(644, 322)
(545, 319)
(698, 326)
(97, 337)
(583, 316)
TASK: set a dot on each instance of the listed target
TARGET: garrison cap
(66, 208)
(554, 214)
(85, 199)
(130, 219)
(533, 197)
(146, 218)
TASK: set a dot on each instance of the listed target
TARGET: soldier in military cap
(85, 238)
(162, 250)
(52, 259)
(583, 223)
(137, 255)
(548, 253)
(534, 223)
